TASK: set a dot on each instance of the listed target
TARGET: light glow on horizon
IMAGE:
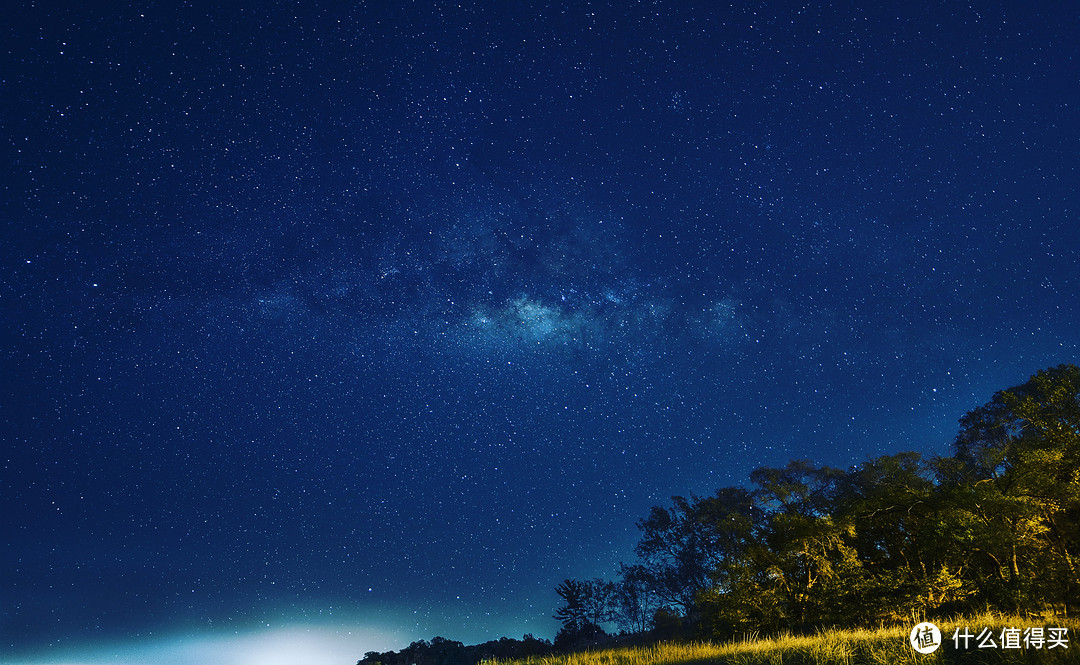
(294, 644)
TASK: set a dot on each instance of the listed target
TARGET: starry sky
(332, 326)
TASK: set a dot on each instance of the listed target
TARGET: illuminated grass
(867, 646)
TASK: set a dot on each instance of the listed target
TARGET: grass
(882, 646)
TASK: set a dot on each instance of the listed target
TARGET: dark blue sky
(342, 326)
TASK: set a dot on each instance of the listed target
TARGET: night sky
(331, 327)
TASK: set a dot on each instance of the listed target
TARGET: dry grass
(881, 646)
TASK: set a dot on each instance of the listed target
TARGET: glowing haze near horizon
(289, 645)
(331, 327)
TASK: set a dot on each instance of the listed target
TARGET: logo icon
(925, 638)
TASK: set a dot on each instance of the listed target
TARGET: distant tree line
(997, 525)
(441, 651)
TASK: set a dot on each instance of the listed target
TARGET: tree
(635, 603)
(808, 557)
(683, 548)
(574, 609)
(1049, 410)
(730, 602)
(895, 506)
(585, 606)
(600, 602)
(1013, 486)
(672, 553)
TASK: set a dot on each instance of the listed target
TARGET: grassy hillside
(881, 646)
